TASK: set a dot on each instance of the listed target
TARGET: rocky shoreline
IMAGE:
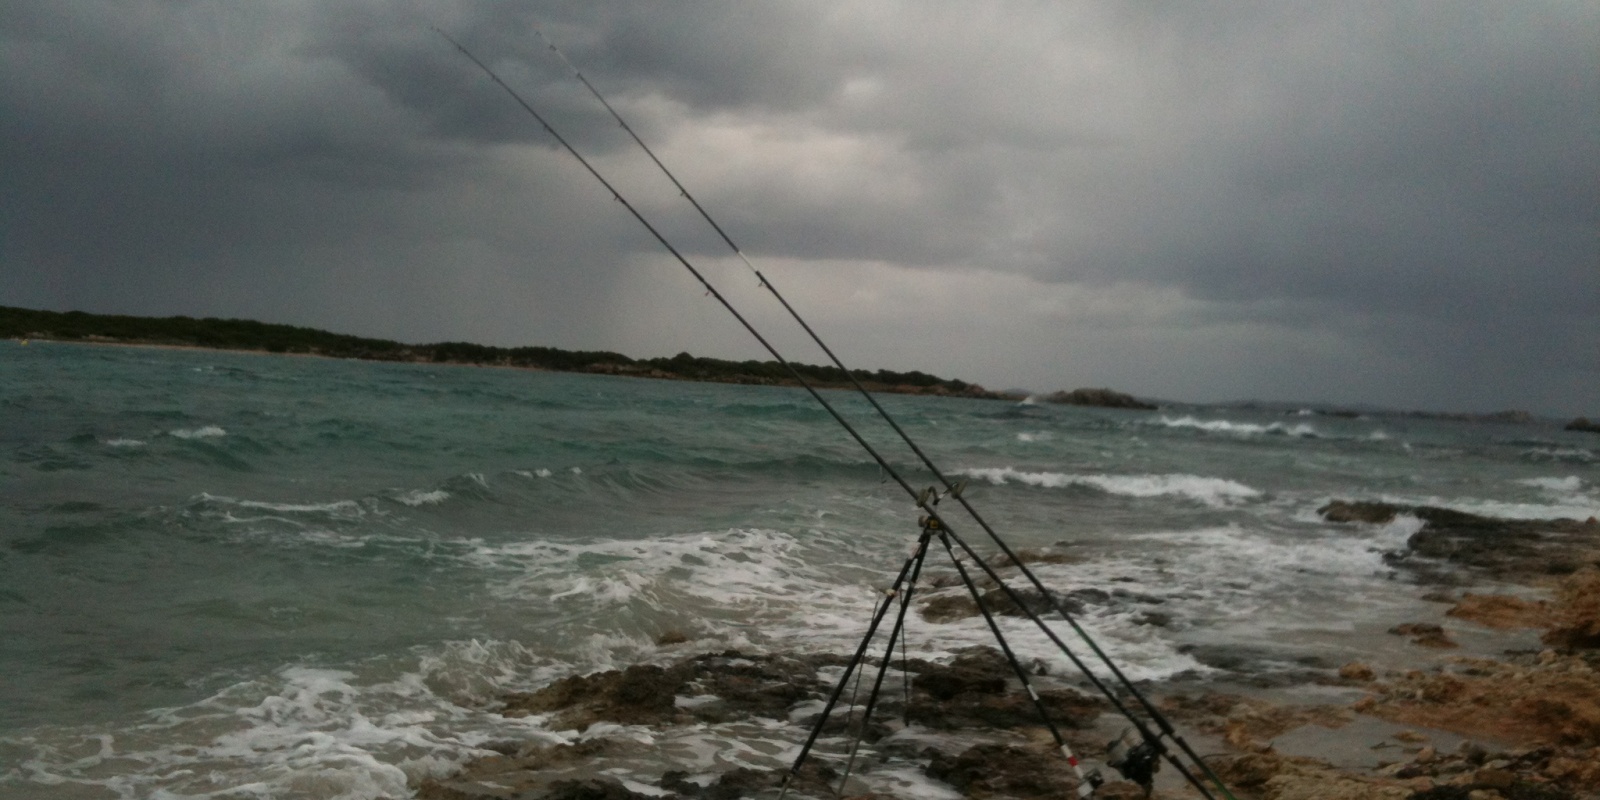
(1521, 726)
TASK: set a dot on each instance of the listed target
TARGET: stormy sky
(1354, 202)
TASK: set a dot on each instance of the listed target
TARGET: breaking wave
(1211, 491)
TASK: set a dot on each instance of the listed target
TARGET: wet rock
(1067, 709)
(1370, 513)
(590, 789)
(646, 694)
(948, 608)
(1507, 548)
(980, 670)
(1006, 604)
(1154, 619)
(999, 770)
(641, 694)
(1034, 555)
(1357, 671)
(1425, 634)
(754, 686)
(954, 606)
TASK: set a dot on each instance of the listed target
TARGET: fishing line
(897, 632)
(952, 489)
(921, 499)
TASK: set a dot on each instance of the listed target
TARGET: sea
(234, 575)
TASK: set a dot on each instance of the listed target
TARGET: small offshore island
(252, 336)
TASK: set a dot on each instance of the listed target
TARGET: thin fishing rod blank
(1155, 714)
(651, 153)
(711, 290)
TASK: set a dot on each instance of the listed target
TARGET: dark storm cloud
(1385, 202)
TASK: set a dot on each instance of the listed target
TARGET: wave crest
(1211, 491)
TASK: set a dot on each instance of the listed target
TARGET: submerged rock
(1425, 634)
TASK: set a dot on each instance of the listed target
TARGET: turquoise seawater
(235, 575)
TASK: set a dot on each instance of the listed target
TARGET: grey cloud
(1413, 182)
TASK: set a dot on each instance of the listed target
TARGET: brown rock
(1425, 634)
(1501, 612)
(1274, 777)
(1494, 778)
(1577, 611)
(1357, 671)
(1558, 701)
(1120, 790)
(998, 770)
(1574, 771)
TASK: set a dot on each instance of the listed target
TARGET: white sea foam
(1578, 454)
(348, 509)
(543, 473)
(1211, 491)
(1302, 430)
(123, 443)
(1568, 485)
(760, 589)
(1034, 436)
(206, 432)
(303, 732)
(419, 497)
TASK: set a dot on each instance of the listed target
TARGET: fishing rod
(921, 499)
(951, 488)
(883, 464)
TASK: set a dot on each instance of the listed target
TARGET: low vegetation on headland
(239, 334)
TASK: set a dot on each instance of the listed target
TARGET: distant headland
(248, 335)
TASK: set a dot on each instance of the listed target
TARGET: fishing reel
(1137, 759)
